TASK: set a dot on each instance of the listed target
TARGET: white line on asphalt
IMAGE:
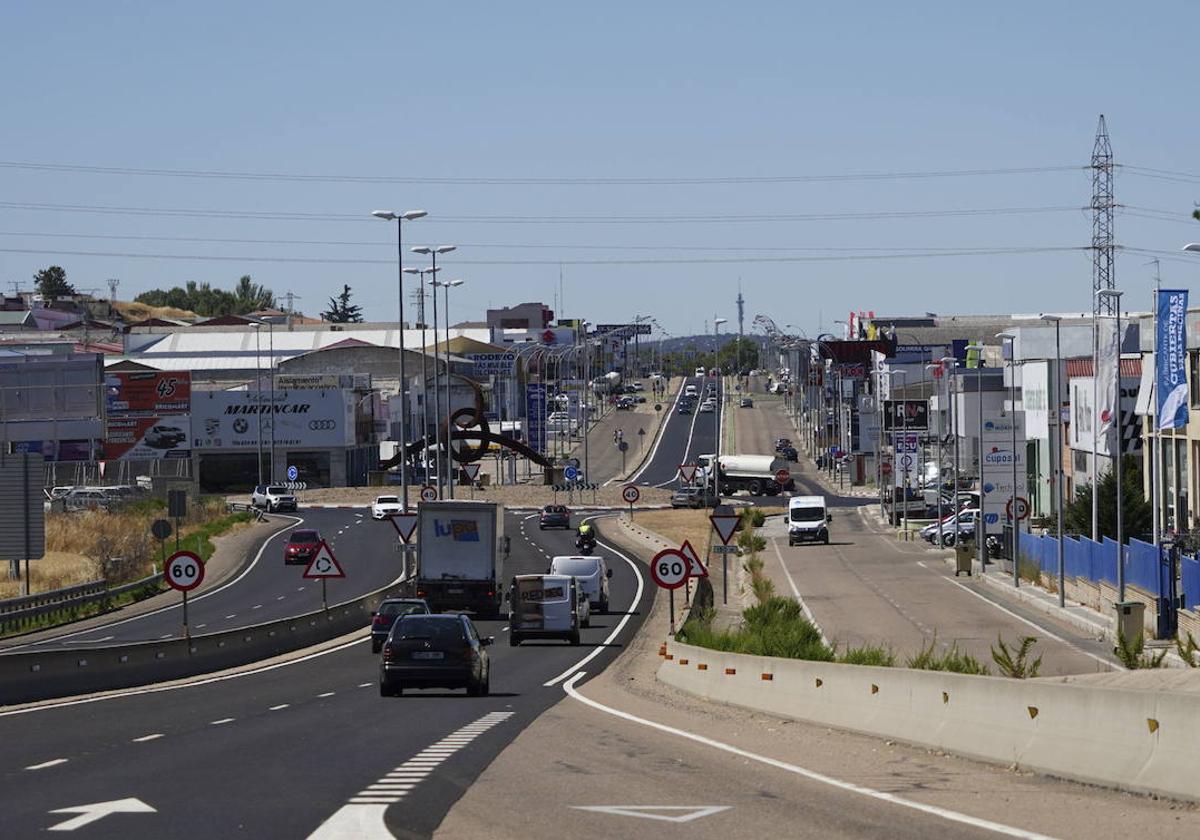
(257, 607)
(530, 516)
(280, 706)
(233, 615)
(661, 435)
(365, 685)
(300, 589)
(221, 721)
(45, 764)
(280, 597)
(883, 796)
(637, 597)
(198, 626)
(166, 635)
(326, 694)
(795, 591)
(146, 738)
(92, 641)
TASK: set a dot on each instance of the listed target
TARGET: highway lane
(684, 436)
(280, 752)
(266, 591)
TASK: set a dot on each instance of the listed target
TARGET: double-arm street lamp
(1116, 449)
(432, 251)
(424, 354)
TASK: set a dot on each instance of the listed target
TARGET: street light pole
(981, 534)
(952, 398)
(271, 380)
(432, 252)
(1116, 449)
(258, 391)
(400, 219)
(451, 470)
(1056, 447)
(1013, 508)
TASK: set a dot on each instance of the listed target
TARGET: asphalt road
(281, 751)
(267, 590)
(684, 436)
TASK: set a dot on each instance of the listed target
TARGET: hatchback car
(707, 407)
(301, 546)
(389, 610)
(554, 516)
(434, 651)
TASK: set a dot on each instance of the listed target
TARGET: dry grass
(132, 311)
(54, 571)
(678, 525)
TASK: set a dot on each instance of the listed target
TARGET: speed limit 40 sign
(670, 568)
(183, 571)
(630, 493)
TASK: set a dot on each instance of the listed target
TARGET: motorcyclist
(585, 538)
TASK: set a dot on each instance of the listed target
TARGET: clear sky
(592, 95)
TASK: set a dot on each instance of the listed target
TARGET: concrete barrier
(1140, 741)
(43, 674)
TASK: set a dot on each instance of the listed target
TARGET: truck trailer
(461, 554)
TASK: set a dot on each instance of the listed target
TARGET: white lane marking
(280, 597)
(795, 591)
(102, 639)
(637, 597)
(146, 738)
(300, 589)
(683, 813)
(530, 516)
(851, 787)
(280, 706)
(361, 818)
(133, 692)
(221, 722)
(1035, 626)
(52, 763)
(198, 626)
(193, 599)
(326, 694)
(661, 436)
(365, 685)
(257, 607)
(166, 635)
(234, 615)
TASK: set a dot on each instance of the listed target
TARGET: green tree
(52, 283)
(341, 310)
(737, 355)
(1137, 518)
(251, 296)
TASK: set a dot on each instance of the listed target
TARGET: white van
(592, 573)
(808, 520)
(546, 607)
(700, 371)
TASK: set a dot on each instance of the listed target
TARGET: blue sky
(602, 91)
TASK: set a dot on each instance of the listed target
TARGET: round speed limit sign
(669, 568)
(429, 493)
(183, 571)
(630, 493)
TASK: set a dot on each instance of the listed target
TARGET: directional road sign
(782, 476)
(695, 567)
(183, 571)
(570, 473)
(324, 564)
(292, 473)
(405, 525)
(160, 528)
(724, 524)
(630, 493)
(472, 471)
(725, 549)
(688, 472)
(669, 568)
(428, 493)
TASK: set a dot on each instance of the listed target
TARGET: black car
(389, 610)
(434, 651)
(788, 453)
(781, 443)
(555, 516)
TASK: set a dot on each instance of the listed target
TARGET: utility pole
(741, 312)
(1103, 279)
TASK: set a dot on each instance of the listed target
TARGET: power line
(92, 169)
(664, 219)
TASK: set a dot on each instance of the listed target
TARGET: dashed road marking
(54, 762)
(221, 722)
(279, 707)
(146, 738)
(326, 694)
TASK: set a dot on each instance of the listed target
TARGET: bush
(1132, 654)
(1016, 665)
(868, 655)
(751, 543)
(952, 660)
(753, 517)
(764, 588)
(775, 627)
(1188, 650)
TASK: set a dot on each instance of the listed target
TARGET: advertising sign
(493, 364)
(147, 438)
(1170, 359)
(999, 428)
(151, 392)
(535, 415)
(901, 414)
(303, 418)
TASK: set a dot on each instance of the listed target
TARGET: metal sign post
(630, 494)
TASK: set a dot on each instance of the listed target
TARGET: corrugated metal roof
(287, 343)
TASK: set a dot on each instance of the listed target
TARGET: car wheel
(604, 606)
(387, 689)
(574, 639)
(376, 646)
(826, 540)
(514, 641)
(790, 543)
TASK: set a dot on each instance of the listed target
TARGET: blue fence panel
(1074, 558)
(1094, 564)
(1142, 567)
(1189, 573)
(1108, 560)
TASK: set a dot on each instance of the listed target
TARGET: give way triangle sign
(665, 813)
(688, 472)
(472, 471)
(724, 524)
(405, 525)
(324, 564)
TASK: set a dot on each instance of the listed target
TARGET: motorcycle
(585, 545)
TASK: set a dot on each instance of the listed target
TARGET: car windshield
(401, 608)
(276, 489)
(388, 500)
(445, 630)
(807, 514)
(304, 537)
(577, 567)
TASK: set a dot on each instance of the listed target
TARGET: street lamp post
(939, 373)
(432, 252)
(952, 398)
(1013, 508)
(1056, 447)
(981, 531)
(1116, 449)
(399, 219)
(271, 381)
(258, 391)
(451, 470)
(424, 366)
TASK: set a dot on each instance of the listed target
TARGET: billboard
(301, 418)
(535, 415)
(152, 392)
(1170, 359)
(493, 364)
(902, 414)
(147, 438)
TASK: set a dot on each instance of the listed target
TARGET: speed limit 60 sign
(670, 568)
(183, 571)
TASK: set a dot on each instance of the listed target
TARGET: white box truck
(461, 553)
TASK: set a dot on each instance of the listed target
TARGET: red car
(301, 547)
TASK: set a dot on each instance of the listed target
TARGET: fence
(22, 613)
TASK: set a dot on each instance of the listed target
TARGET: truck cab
(808, 520)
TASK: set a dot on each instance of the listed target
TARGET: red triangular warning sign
(688, 472)
(405, 524)
(324, 564)
(697, 568)
(724, 524)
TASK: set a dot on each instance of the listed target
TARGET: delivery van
(545, 607)
(591, 573)
(808, 520)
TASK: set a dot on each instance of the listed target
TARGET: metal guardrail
(49, 603)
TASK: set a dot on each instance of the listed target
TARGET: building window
(1194, 377)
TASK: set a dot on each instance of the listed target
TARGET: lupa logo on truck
(459, 530)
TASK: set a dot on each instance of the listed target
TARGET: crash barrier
(21, 613)
(42, 674)
(1143, 741)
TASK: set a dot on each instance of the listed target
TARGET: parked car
(554, 516)
(385, 506)
(590, 572)
(272, 497)
(746, 402)
(301, 546)
(435, 651)
(694, 497)
(625, 404)
(390, 609)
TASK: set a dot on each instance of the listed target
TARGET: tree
(52, 283)
(1136, 513)
(251, 297)
(203, 299)
(341, 310)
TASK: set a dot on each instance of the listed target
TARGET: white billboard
(302, 418)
